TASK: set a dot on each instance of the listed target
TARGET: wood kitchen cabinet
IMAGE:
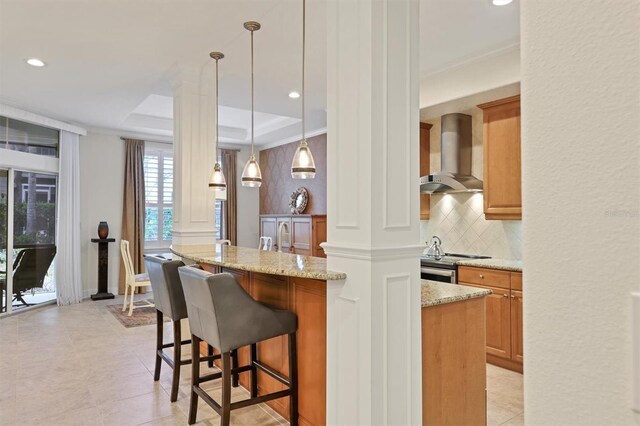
(307, 232)
(425, 150)
(502, 163)
(503, 313)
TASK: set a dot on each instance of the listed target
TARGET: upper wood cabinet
(502, 171)
(307, 232)
(425, 149)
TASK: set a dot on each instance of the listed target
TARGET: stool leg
(195, 378)
(235, 362)
(293, 380)
(209, 353)
(225, 417)
(254, 371)
(177, 354)
(159, 337)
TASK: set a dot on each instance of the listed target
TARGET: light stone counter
(437, 293)
(254, 260)
(502, 264)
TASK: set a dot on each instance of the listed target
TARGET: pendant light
(251, 175)
(217, 180)
(303, 166)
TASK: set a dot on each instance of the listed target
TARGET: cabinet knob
(481, 276)
(505, 295)
(513, 296)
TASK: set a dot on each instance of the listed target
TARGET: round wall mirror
(299, 200)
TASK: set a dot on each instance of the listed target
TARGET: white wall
(581, 180)
(491, 71)
(101, 184)
(248, 205)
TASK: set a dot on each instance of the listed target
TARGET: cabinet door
(301, 235)
(517, 354)
(502, 174)
(286, 238)
(268, 228)
(425, 158)
(319, 229)
(498, 321)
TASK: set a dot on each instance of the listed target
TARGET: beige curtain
(133, 206)
(231, 205)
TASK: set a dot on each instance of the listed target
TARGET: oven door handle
(439, 272)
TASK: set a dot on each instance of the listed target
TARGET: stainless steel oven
(439, 274)
(444, 269)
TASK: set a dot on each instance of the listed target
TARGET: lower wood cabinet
(503, 313)
(307, 232)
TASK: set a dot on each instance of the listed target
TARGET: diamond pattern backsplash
(459, 221)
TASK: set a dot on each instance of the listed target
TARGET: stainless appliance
(444, 269)
(455, 160)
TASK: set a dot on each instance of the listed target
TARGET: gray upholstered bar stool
(223, 314)
(169, 300)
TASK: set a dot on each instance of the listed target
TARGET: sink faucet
(280, 229)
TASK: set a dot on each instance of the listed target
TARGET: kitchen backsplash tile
(459, 221)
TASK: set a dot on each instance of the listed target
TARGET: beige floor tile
(177, 419)
(138, 410)
(121, 387)
(516, 421)
(81, 417)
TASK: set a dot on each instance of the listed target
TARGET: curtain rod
(171, 143)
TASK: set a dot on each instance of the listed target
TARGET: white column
(193, 157)
(373, 318)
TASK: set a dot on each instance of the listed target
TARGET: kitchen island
(453, 354)
(285, 281)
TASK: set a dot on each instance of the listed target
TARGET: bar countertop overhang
(261, 261)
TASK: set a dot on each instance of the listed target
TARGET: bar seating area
(222, 314)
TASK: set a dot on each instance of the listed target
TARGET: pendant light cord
(217, 115)
(303, 55)
(252, 108)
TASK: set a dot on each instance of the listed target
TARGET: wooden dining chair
(133, 281)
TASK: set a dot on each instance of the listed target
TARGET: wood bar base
(307, 298)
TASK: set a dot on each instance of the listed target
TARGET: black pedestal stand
(103, 268)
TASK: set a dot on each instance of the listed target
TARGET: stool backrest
(265, 243)
(168, 295)
(221, 312)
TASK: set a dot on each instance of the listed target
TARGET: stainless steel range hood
(455, 161)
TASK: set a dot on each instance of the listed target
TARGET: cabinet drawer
(485, 277)
(516, 281)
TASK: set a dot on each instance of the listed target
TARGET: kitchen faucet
(279, 240)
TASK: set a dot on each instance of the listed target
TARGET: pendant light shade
(251, 175)
(303, 166)
(217, 180)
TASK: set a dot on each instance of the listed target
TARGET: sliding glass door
(4, 233)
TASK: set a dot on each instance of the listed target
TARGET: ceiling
(110, 63)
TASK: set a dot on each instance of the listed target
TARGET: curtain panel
(230, 206)
(68, 278)
(133, 206)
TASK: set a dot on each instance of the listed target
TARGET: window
(26, 137)
(158, 183)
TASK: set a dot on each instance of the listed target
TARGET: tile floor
(77, 365)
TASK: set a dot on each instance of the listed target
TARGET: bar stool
(169, 300)
(223, 314)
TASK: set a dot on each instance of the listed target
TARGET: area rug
(139, 317)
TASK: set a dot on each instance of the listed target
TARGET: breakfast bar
(286, 281)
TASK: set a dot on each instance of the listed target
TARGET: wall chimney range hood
(455, 161)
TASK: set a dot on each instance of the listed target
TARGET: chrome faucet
(279, 240)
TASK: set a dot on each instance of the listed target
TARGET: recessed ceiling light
(34, 62)
(294, 95)
(501, 2)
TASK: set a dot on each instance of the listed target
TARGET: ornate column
(193, 157)
(373, 318)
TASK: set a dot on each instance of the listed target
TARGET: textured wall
(581, 174)
(277, 183)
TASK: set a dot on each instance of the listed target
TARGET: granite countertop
(437, 293)
(503, 264)
(254, 260)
